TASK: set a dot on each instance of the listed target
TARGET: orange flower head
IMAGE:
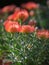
(8, 8)
(27, 29)
(12, 26)
(30, 5)
(43, 33)
(22, 14)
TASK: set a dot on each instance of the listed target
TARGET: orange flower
(27, 29)
(22, 14)
(10, 17)
(8, 8)
(30, 5)
(12, 26)
(43, 33)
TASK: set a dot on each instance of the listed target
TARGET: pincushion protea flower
(30, 5)
(8, 8)
(27, 29)
(22, 14)
(43, 33)
(12, 26)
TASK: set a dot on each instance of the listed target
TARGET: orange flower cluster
(20, 14)
(12, 24)
(8, 8)
(30, 5)
(43, 33)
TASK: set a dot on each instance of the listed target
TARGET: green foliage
(42, 17)
(23, 48)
